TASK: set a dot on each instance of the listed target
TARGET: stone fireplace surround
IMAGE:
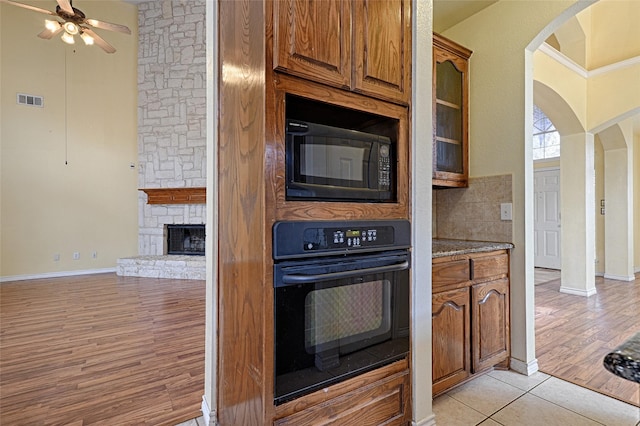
(153, 261)
(171, 134)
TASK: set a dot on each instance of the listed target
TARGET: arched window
(546, 139)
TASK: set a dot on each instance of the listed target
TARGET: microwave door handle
(305, 279)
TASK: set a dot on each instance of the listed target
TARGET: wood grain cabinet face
(358, 45)
(470, 316)
(385, 402)
(451, 338)
(490, 307)
(450, 113)
(313, 40)
(382, 35)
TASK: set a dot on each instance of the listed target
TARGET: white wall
(67, 184)
(421, 213)
(501, 37)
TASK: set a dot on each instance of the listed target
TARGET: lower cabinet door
(450, 338)
(491, 343)
(383, 402)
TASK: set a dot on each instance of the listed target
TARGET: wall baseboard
(578, 291)
(526, 368)
(619, 277)
(429, 421)
(208, 416)
(56, 274)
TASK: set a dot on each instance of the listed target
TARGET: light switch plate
(506, 211)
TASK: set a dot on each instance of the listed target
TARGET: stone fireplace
(169, 246)
(171, 135)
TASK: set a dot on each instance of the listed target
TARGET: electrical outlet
(506, 211)
(56, 257)
(76, 255)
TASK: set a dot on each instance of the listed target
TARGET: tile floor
(193, 422)
(511, 399)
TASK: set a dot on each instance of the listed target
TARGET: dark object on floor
(624, 361)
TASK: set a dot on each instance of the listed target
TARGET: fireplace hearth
(186, 240)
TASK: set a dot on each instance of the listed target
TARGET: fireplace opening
(185, 239)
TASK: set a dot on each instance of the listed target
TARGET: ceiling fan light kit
(71, 28)
(68, 38)
(74, 22)
(52, 26)
(88, 40)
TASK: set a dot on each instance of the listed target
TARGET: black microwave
(336, 164)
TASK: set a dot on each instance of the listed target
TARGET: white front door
(547, 218)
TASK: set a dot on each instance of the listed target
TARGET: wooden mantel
(196, 195)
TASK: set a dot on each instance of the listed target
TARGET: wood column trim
(197, 195)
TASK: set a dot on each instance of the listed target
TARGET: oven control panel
(299, 239)
(345, 238)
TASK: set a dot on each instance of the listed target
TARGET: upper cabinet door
(312, 39)
(382, 48)
(450, 113)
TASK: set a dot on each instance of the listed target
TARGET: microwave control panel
(346, 238)
(384, 168)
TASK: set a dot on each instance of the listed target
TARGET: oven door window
(339, 318)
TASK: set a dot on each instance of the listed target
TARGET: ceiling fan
(72, 21)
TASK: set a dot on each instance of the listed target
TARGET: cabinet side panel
(242, 234)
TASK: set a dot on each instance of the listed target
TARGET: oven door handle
(305, 279)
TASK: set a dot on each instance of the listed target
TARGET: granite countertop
(443, 247)
(624, 361)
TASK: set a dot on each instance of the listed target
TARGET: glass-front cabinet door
(450, 108)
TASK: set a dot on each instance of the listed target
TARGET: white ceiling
(617, 41)
(447, 13)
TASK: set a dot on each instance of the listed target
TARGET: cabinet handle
(471, 269)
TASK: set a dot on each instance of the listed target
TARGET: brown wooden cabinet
(450, 113)
(305, 49)
(490, 319)
(358, 45)
(451, 338)
(470, 316)
(378, 397)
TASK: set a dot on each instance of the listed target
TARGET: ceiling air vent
(30, 100)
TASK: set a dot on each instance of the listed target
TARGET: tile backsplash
(473, 213)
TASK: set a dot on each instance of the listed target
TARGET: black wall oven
(341, 301)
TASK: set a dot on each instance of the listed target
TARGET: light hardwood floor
(574, 333)
(101, 349)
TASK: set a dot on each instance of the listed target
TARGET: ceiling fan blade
(108, 26)
(66, 6)
(99, 41)
(47, 34)
(26, 6)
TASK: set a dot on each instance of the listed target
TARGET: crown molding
(615, 67)
(578, 69)
(564, 60)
